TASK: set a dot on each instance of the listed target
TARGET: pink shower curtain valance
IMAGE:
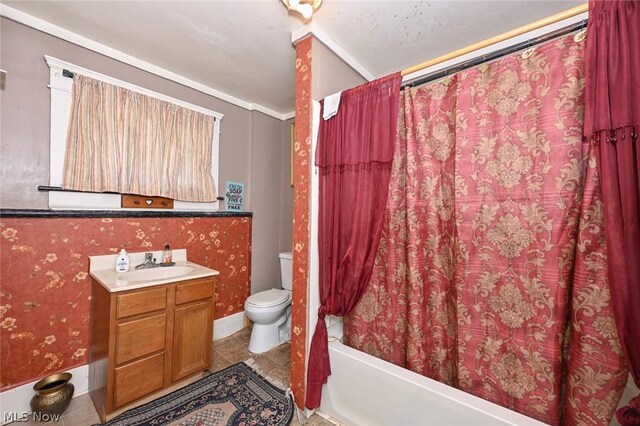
(354, 154)
(612, 61)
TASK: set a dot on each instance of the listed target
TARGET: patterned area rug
(236, 395)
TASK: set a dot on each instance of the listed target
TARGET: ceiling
(243, 48)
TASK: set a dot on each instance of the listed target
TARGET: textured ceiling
(243, 48)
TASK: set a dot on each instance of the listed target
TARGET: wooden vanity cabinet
(145, 340)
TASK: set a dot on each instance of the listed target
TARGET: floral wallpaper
(45, 290)
(302, 176)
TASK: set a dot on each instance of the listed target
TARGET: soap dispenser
(122, 261)
(167, 255)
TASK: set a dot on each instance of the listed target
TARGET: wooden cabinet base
(146, 341)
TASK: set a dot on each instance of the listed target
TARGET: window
(60, 85)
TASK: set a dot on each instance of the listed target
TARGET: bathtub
(364, 390)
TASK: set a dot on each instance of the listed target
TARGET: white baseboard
(226, 326)
(17, 400)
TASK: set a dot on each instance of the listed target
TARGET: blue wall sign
(234, 196)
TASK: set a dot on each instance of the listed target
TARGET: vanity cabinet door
(192, 338)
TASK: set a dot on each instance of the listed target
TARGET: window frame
(60, 87)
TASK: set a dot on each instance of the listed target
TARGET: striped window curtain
(126, 142)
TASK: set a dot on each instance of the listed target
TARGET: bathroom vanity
(150, 330)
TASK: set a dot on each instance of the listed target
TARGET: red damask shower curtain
(612, 120)
(491, 272)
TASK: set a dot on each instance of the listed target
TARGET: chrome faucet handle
(148, 260)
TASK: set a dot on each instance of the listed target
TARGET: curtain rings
(582, 34)
(529, 50)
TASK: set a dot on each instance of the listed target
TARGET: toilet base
(268, 336)
(263, 338)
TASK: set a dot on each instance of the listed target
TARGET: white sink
(153, 274)
(102, 271)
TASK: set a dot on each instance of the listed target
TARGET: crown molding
(289, 115)
(56, 31)
(323, 37)
(272, 113)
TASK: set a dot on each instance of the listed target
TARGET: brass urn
(53, 394)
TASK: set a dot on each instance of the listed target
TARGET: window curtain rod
(47, 188)
(569, 13)
(494, 55)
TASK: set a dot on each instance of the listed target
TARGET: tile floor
(274, 364)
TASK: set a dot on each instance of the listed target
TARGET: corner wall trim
(56, 31)
(289, 115)
(324, 38)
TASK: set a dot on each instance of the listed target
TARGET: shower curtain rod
(569, 13)
(494, 55)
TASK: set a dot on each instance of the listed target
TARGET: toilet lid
(268, 298)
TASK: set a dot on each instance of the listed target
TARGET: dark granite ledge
(47, 214)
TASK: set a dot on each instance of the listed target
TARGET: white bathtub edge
(464, 399)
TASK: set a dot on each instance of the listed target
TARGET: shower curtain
(612, 119)
(491, 271)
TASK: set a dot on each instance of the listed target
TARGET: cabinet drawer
(140, 378)
(141, 301)
(132, 201)
(194, 290)
(140, 337)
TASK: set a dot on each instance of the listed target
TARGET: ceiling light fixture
(303, 7)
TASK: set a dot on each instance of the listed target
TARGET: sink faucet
(149, 262)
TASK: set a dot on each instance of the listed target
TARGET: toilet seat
(267, 298)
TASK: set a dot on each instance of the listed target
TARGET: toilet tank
(286, 269)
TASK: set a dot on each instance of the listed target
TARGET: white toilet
(270, 311)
